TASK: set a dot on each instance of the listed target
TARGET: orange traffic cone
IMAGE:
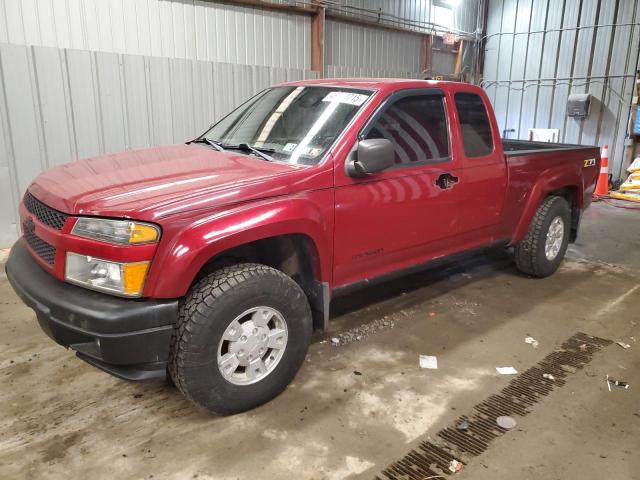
(602, 187)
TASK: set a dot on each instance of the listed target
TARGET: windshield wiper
(217, 145)
(245, 147)
(248, 148)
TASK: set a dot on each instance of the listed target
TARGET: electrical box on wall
(578, 105)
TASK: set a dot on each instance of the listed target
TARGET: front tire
(541, 251)
(241, 336)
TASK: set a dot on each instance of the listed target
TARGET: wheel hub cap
(555, 236)
(252, 345)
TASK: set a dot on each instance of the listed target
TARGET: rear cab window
(475, 127)
(416, 124)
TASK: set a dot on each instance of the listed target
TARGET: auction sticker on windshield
(289, 147)
(346, 97)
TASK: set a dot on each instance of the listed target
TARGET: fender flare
(549, 181)
(205, 238)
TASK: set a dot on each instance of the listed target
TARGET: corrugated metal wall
(462, 17)
(86, 77)
(529, 75)
(192, 29)
(57, 105)
(218, 32)
(127, 74)
(353, 50)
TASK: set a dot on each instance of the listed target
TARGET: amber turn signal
(133, 276)
(142, 233)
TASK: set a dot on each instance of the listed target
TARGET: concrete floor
(60, 418)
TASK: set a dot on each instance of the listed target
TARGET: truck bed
(525, 147)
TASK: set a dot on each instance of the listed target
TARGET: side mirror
(371, 156)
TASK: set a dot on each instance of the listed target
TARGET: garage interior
(82, 78)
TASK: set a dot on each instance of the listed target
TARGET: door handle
(446, 180)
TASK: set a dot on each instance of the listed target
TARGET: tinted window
(417, 127)
(475, 126)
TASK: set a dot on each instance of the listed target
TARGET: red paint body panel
(532, 177)
(207, 202)
(484, 179)
(200, 239)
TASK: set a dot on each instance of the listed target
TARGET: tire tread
(526, 252)
(193, 313)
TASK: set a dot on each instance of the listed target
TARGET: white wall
(353, 50)
(459, 17)
(529, 75)
(80, 78)
(191, 29)
(86, 77)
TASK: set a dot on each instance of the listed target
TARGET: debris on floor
(432, 314)
(624, 345)
(466, 307)
(506, 422)
(616, 383)
(482, 427)
(506, 370)
(363, 331)
(532, 341)
(583, 347)
(428, 361)
(463, 426)
(455, 466)
(548, 376)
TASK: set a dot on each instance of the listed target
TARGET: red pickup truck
(215, 260)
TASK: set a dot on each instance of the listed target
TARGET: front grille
(40, 247)
(45, 214)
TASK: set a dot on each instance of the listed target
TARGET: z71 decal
(590, 163)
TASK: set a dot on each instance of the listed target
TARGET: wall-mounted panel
(539, 52)
(57, 105)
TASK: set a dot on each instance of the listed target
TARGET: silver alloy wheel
(555, 236)
(252, 345)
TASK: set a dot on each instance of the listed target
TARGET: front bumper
(127, 338)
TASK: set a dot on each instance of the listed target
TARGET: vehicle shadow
(434, 280)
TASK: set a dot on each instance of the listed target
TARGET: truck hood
(156, 182)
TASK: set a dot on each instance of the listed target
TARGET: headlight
(126, 279)
(125, 232)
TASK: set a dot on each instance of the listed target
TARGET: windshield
(293, 124)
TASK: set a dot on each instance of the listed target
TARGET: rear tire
(229, 317)
(541, 251)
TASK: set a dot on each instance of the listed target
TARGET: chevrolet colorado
(215, 260)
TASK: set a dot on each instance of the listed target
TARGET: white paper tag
(506, 371)
(289, 147)
(427, 361)
(356, 99)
